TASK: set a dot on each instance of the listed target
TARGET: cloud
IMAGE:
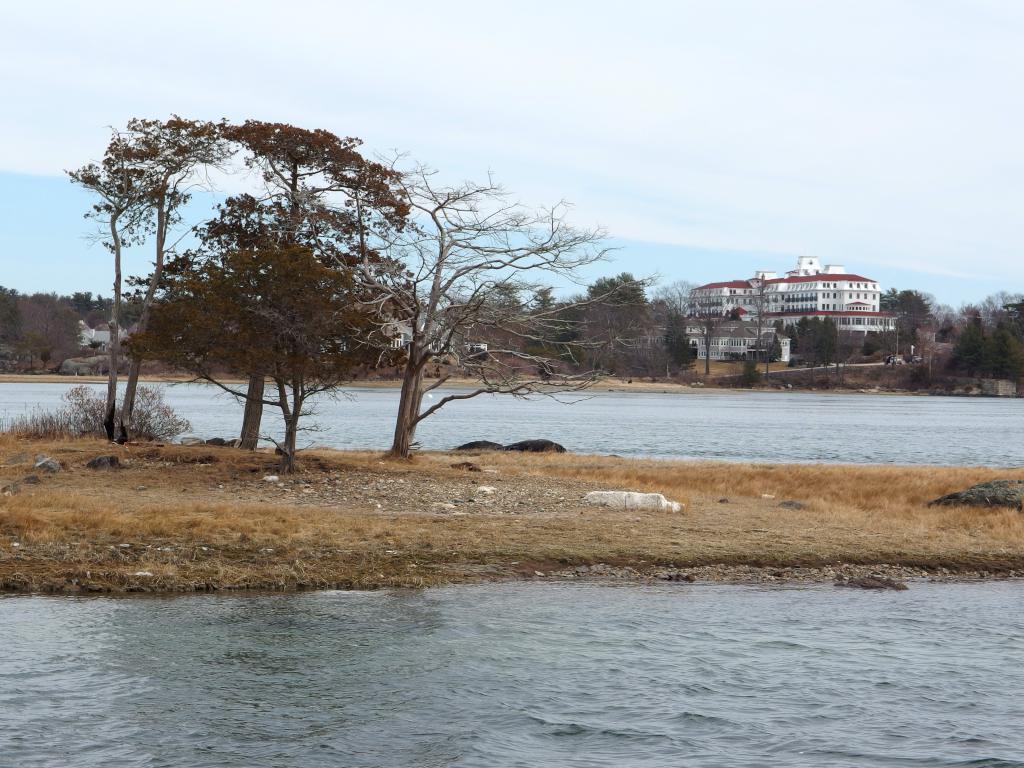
(863, 132)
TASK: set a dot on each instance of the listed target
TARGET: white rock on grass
(632, 500)
(270, 478)
(486, 490)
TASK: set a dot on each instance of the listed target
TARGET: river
(518, 675)
(722, 425)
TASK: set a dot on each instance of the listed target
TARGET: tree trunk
(291, 431)
(253, 413)
(128, 405)
(115, 336)
(408, 406)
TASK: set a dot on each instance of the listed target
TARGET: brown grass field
(195, 518)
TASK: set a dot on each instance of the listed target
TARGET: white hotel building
(852, 301)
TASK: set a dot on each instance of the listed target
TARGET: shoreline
(176, 518)
(608, 384)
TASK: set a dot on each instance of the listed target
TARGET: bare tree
(441, 280)
(677, 296)
(760, 301)
(708, 314)
(120, 211)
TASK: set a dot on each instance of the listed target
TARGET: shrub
(152, 418)
(750, 375)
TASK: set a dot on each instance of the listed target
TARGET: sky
(709, 139)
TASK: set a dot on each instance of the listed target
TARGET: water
(518, 675)
(732, 426)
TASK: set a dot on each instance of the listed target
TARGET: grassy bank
(184, 518)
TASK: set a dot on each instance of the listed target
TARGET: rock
(481, 445)
(536, 446)
(104, 462)
(79, 366)
(994, 493)
(217, 441)
(234, 443)
(270, 478)
(46, 464)
(871, 582)
(31, 480)
(192, 440)
(767, 495)
(468, 466)
(486, 490)
(723, 500)
(10, 489)
(18, 458)
(790, 504)
(631, 500)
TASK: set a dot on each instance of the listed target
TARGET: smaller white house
(737, 340)
(95, 338)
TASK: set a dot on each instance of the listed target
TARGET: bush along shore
(82, 515)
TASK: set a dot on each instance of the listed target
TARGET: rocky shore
(85, 516)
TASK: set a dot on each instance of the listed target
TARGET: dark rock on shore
(536, 446)
(469, 466)
(216, 441)
(994, 493)
(104, 462)
(871, 582)
(481, 445)
(790, 504)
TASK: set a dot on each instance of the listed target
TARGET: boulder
(481, 445)
(46, 464)
(217, 441)
(10, 489)
(191, 440)
(104, 462)
(31, 480)
(994, 493)
(468, 466)
(790, 504)
(631, 500)
(536, 446)
(78, 366)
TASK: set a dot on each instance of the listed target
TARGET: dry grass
(198, 517)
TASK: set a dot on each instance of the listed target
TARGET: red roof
(728, 284)
(822, 276)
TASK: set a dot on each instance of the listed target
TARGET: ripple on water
(517, 675)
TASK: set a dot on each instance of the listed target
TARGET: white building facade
(737, 340)
(852, 301)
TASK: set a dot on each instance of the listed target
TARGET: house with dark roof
(737, 340)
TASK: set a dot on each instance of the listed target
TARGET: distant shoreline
(603, 385)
